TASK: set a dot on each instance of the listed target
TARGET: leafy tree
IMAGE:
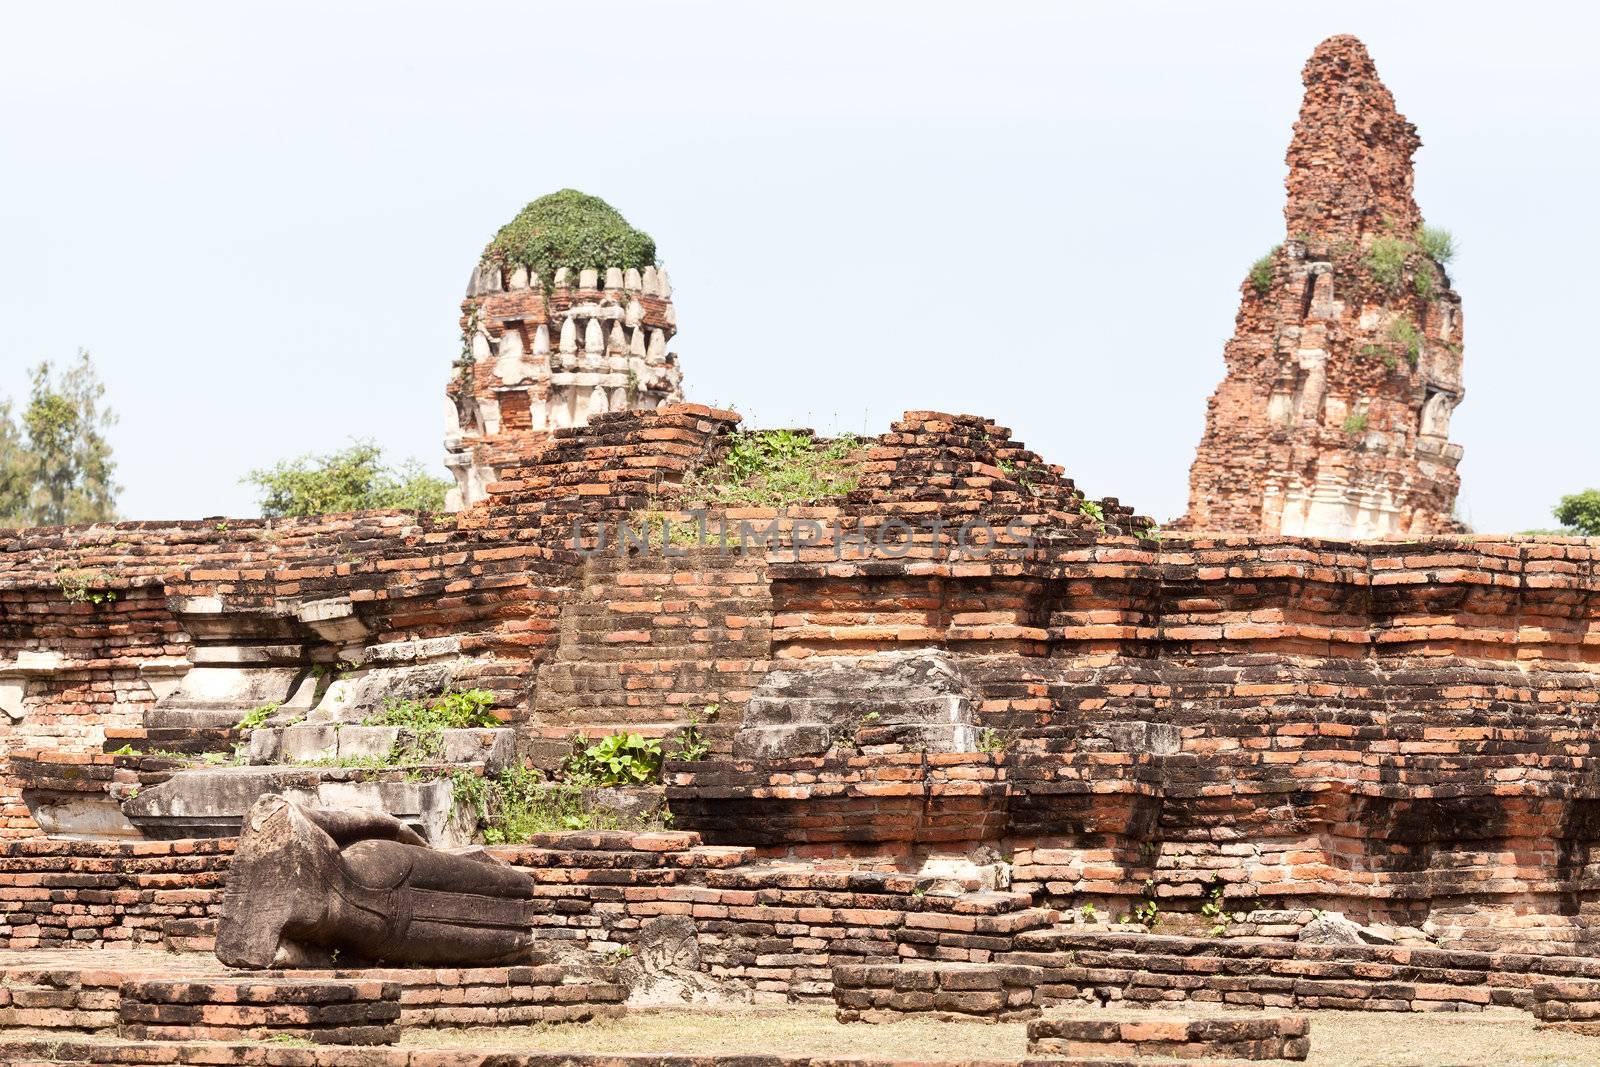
(15, 478)
(351, 479)
(56, 467)
(1580, 512)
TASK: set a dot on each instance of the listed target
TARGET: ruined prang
(567, 316)
(1345, 362)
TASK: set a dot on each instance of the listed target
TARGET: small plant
(1212, 907)
(83, 587)
(1424, 282)
(618, 954)
(1405, 333)
(691, 745)
(620, 759)
(1089, 509)
(1437, 243)
(1089, 914)
(1386, 260)
(126, 750)
(992, 740)
(257, 716)
(1355, 423)
(1261, 271)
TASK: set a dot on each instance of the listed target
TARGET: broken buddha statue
(309, 884)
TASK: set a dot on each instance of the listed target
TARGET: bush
(1580, 512)
(1261, 271)
(573, 230)
(1437, 243)
(352, 479)
(1355, 422)
(1386, 259)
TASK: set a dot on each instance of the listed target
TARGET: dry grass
(745, 1031)
(1338, 1039)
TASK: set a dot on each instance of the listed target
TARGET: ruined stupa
(1345, 362)
(567, 316)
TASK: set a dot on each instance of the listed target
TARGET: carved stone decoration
(665, 970)
(306, 881)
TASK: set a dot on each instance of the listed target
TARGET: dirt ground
(1338, 1038)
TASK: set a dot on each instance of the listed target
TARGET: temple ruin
(921, 730)
(1345, 363)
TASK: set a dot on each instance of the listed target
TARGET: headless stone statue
(307, 879)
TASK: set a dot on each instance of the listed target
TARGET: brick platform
(884, 993)
(326, 1012)
(1568, 1002)
(1266, 1037)
(141, 994)
(1158, 971)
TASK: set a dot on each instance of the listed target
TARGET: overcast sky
(260, 218)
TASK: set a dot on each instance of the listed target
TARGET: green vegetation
(620, 759)
(1579, 513)
(516, 804)
(84, 587)
(1425, 282)
(55, 463)
(1212, 906)
(690, 744)
(1261, 270)
(1437, 243)
(450, 710)
(573, 230)
(257, 716)
(351, 479)
(1355, 422)
(1386, 259)
(1404, 332)
(777, 468)
(995, 741)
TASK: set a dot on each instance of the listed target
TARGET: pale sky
(260, 218)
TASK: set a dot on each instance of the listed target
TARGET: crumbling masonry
(1345, 364)
(977, 734)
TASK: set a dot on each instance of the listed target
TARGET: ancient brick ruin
(1345, 363)
(984, 748)
(539, 354)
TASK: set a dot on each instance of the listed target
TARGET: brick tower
(1345, 362)
(567, 316)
